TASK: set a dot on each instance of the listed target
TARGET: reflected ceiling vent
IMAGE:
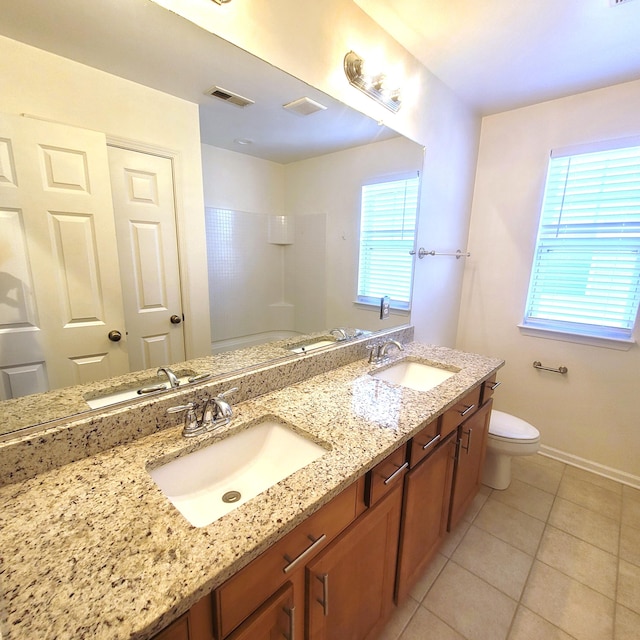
(229, 96)
(304, 106)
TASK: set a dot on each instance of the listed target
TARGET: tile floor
(556, 556)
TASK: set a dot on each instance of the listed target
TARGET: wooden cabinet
(459, 412)
(250, 588)
(470, 453)
(276, 618)
(421, 445)
(350, 584)
(354, 570)
(386, 475)
(425, 514)
(196, 624)
(488, 387)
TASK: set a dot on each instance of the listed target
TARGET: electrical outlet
(385, 303)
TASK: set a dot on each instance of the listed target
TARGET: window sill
(619, 344)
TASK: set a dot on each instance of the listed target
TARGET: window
(585, 278)
(387, 235)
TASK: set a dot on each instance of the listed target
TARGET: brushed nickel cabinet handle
(434, 439)
(304, 554)
(324, 578)
(495, 386)
(468, 433)
(469, 408)
(291, 612)
(396, 472)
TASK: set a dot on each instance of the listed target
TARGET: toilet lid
(505, 425)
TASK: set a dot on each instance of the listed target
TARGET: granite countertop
(94, 549)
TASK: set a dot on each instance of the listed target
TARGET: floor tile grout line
(535, 556)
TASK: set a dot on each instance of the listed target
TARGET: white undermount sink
(415, 375)
(208, 483)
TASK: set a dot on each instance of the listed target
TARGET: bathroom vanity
(94, 548)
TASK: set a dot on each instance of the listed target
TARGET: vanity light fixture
(373, 86)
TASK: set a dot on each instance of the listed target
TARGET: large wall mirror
(281, 185)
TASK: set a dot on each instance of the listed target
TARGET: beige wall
(53, 88)
(592, 413)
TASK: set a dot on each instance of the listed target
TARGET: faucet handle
(226, 393)
(181, 407)
(191, 426)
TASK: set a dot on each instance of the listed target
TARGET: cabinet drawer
(459, 412)
(244, 592)
(386, 475)
(423, 443)
(487, 388)
(274, 619)
(196, 624)
(177, 630)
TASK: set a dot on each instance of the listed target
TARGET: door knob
(175, 319)
(114, 336)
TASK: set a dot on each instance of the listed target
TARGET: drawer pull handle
(469, 408)
(304, 554)
(291, 612)
(468, 433)
(434, 439)
(495, 386)
(324, 578)
(396, 472)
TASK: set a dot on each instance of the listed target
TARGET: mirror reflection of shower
(266, 276)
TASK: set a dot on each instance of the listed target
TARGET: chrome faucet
(215, 413)
(378, 351)
(173, 380)
(339, 333)
(390, 343)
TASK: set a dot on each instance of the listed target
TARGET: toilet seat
(504, 426)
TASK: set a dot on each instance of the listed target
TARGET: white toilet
(508, 436)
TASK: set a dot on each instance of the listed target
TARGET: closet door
(144, 204)
(60, 298)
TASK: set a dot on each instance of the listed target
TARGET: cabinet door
(248, 589)
(425, 512)
(472, 446)
(274, 620)
(196, 624)
(350, 584)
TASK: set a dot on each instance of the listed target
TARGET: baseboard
(599, 469)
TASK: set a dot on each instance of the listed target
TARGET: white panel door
(59, 275)
(144, 204)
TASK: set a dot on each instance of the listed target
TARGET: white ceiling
(502, 54)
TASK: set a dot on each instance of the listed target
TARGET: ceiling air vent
(229, 96)
(304, 106)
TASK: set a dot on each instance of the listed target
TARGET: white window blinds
(585, 277)
(387, 234)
